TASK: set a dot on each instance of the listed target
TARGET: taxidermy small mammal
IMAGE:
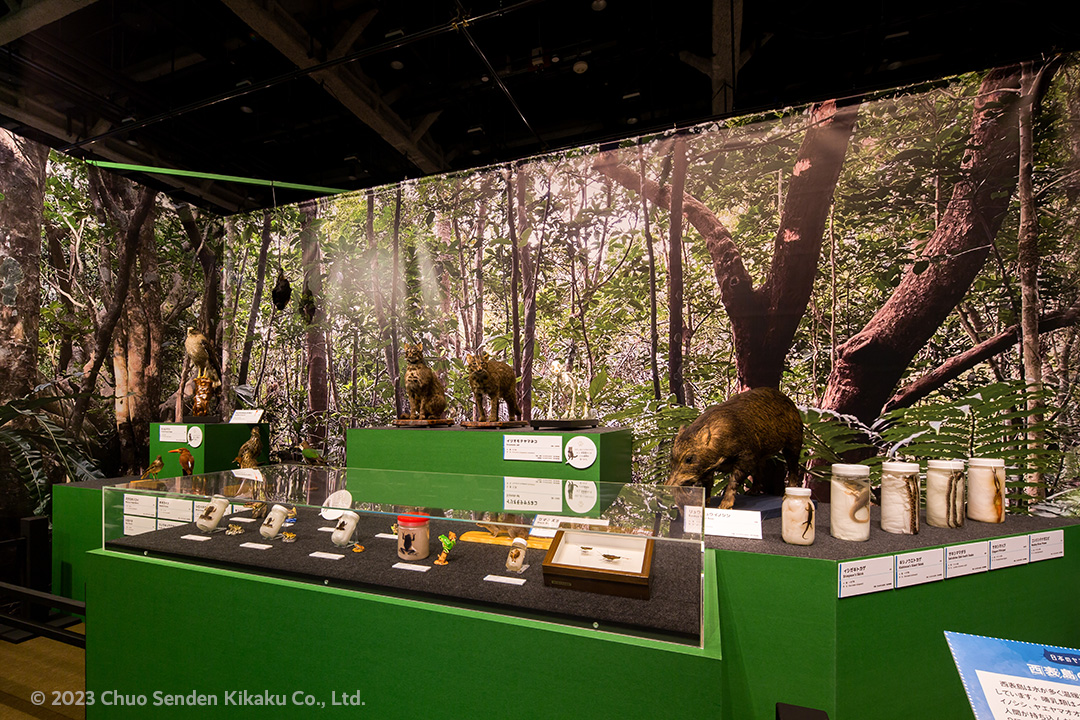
(739, 436)
(427, 396)
(496, 380)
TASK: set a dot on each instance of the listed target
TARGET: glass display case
(613, 556)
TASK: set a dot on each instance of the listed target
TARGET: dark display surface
(826, 547)
(674, 608)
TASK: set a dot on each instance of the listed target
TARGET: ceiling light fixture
(629, 95)
(397, 65)
(580, 66)
(245, 109)
(599, 5)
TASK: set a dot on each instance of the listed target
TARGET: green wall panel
(76, 529)
(480, 452)
(212, 630)
(221, 442)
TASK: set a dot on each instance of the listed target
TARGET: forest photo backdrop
(905, 267)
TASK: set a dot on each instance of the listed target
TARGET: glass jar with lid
(986, 490)
(797, 517)
(849, 500)
(900, 495)
(945, 493)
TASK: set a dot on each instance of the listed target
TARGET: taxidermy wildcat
(496, 380)
(427, 397)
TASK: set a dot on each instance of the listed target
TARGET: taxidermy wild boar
(738, 436)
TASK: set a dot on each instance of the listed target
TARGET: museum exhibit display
(636, 425)
(415, 520)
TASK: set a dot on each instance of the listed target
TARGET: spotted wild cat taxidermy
(496, 380)
(427, 397)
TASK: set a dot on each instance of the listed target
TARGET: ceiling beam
(34, 14)
(345, 83)
(42, 118)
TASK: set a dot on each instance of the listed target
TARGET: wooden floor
(40, 665)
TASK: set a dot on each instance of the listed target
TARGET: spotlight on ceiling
(580, 66)
(246, 110)
(599, 5)
(631, 121)
(397, 64)
(485, 78)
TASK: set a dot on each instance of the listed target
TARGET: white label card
(733, 523)
(329, 528)
(868, 575)
(547, 525)
(256, 546)
(504, 579)
(384, 536)
(325, 556)
(248, 474)
(693, 518)
(196, 538)
(924, 566)
(1007, 552)
(243, 519)
(967, 559)
(138, 525)
(410, 566)
(144, 505)
(166, 524)
(172, 433)
(534, 448)
(532, 494)
(1047, 545)
(247, 417)
(175, 509)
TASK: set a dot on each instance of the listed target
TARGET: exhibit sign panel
(1009, 679)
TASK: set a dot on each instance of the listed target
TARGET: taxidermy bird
(307, 305)
(200, 352)
(246, 460)
(311, 455)
(252, 447)
(187, 461)
(282, 291)
(155, 468)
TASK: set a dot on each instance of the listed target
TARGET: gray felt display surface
(827, 547)
(674, 608)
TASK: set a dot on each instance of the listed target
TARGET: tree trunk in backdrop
(764, 319)
(22, 182)
(378, 300)
(315, 337)
(870, 363)
(675, 274)
(654, 334)
(256, 301)
(515, 273)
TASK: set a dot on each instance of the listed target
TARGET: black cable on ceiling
(453, 25)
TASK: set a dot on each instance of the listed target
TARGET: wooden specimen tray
(608, 564)
(441, 422)
(496, 425)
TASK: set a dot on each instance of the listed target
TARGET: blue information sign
(1006, 679)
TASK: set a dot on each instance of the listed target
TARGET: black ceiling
(356, 93)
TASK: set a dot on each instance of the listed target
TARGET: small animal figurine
(427, 396)
(154, 469)
(448, 542)
(496, 380)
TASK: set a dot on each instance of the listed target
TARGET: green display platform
(788, 638)
(480, 452)
(218, 632)
(785, 638)
(217, 451)
(76, 507)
